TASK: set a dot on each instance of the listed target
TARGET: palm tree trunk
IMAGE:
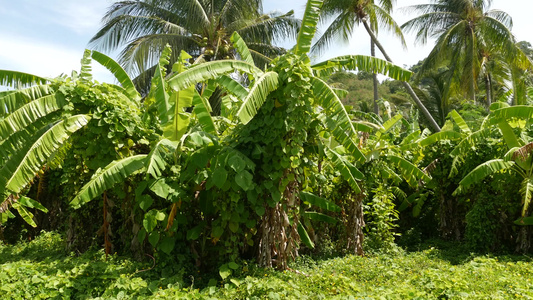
(374, 78)
(488, 86)
(473, 91)
(407, 86)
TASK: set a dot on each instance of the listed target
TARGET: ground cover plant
(42, 270)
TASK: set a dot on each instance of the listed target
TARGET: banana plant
(35, 125)
(518, 159)
(178, 109)
(189, 86)
(290, 86)
(173, 122)
(381, 146)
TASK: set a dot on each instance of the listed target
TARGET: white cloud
(80, 16)
(44, 59)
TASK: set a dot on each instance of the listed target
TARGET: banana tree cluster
(244, 181)
(508, 121)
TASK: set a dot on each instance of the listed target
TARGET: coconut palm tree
(347, 14)
(465, 30)
(202, 28)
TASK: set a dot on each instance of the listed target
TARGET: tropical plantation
(219, 165)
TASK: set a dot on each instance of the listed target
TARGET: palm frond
(363, 63)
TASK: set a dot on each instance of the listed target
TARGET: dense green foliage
(281, 167)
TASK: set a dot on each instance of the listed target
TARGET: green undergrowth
(42, 270)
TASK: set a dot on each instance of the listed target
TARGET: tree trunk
(354, 225)
(374, 78)
(473, 92)
(407, 86)
(488, 87)
(279, 239)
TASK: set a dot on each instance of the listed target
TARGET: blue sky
(47, 38)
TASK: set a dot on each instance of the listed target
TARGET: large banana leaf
(470, 141)
(460, 121)
(179, 122)
(21, 206)
(409, 140)
(30, 113)
(482, 171)
(120, 74)
(242, 48)
(22, 166)
(526, 189)
(304, 236)
(440, 136)
(117, 171)
(498, 105)
(411, 173)
(388, 125)
(202, 110)
(155, 161)
(319, 202)
(370, 117)
(348, 171)
(232, 86)
(523, 112)
(508, 135)
(361, 62)
(262, 86)
(19, 79)
(316, 216)
(210, 70)
(363, 126)
(17, 141)
(10, 102)
(176, 121)
(309, 26)
(522, 154)
(337, 120)
(158, 90)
